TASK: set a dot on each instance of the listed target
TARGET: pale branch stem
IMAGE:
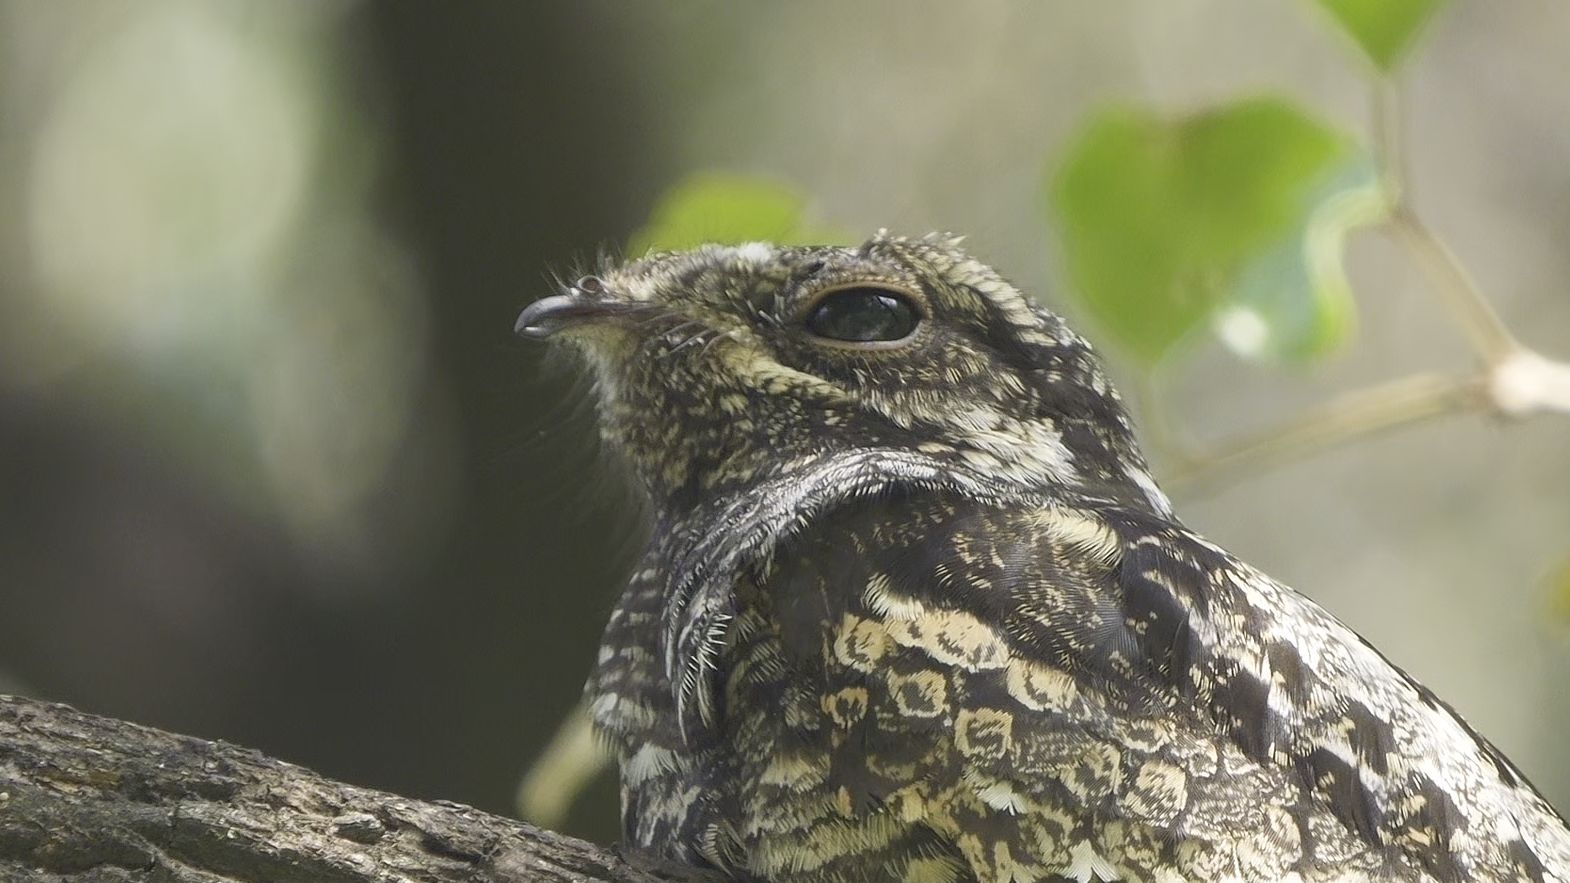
(1525, 383)
(1389, 135)
(1515, 381)
(561, 772)
(85, 798)
(1346, 418)
(1455, 287)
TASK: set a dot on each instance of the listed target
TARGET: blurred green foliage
(1231, 217)
(1169, 224)
(1384, 29)
(729, 209)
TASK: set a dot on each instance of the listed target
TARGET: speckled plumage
(919, 613)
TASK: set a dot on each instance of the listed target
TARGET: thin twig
(1514, 380)
(562, 771)
(1468, 307)
(1389, 146)
(1346, 418)
(1462, 297)
(1526, 384)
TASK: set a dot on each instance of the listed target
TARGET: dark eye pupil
(863, 315)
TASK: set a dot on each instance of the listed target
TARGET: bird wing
(1293, 686)
(1100, 694)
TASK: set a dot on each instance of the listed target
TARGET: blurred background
(273, 469)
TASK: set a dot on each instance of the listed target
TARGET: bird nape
(914, 610)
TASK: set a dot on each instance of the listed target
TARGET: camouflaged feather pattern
(870, 640)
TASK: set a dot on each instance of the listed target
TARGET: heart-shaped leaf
(1231, 218)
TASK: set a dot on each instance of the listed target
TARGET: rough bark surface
(85, 798)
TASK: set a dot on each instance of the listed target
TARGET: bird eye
(864, 314)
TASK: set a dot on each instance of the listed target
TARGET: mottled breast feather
(959, 689)
(917, 612)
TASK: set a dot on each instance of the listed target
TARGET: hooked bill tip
(548, 315)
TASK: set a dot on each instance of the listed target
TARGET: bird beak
(549, 315)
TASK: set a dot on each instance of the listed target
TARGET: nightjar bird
(914, 610)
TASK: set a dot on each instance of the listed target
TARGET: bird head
(724, 366)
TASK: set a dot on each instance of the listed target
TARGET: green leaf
(728, 209)
(1230, 218)
(1383, 29)
(1294, 300)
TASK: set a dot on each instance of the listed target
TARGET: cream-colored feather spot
(648, 762)
(1159, 793)
(888, 604)
(984, 733)
(954, 638)
(860, 644)
(1040, 687)
(922, 694)
(846, 707)
(1072, 527)
(1086, 864)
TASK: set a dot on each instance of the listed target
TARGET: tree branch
(1347, 418)
(85, 798)
(1454, 286)
(1514, 381)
